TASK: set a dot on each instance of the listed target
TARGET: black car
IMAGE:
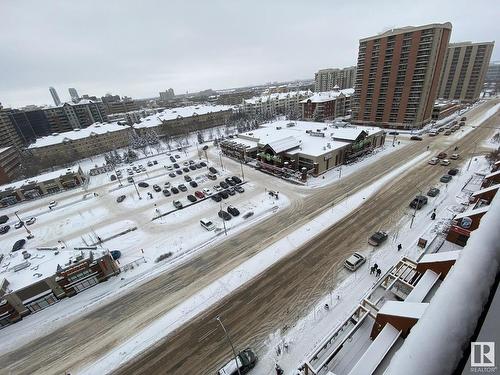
(233, 210)
(239, 189)
(191, 198)
(230, 181)
(178, 171)
(187, 178)
(415, 138)
(175, 190)
(143, 184)
(377, 238)
(192, 167)
(236, 179)
(185, 169)
(172, 159)
(115, 254)
(203, 164)
(446, 178)
(193, 184)
(198, 166)
(121, 198)
(453, 171)
(4, 229)
(230, 191)
(177, 156)
(113, 177)
(166, 193)
(176, 166)
(224, 185)
(433, 192)
(393, 133)
(212, 169)
(19, 244)
(224, 194)
(216, 197)
(418, 202)
(182, 187)
(156, 188)
(224, 215)
(4, 219)
(172, 174)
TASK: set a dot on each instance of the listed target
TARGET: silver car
(354, 261)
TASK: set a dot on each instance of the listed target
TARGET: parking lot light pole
(415, 211)
(220, 158)
(230, 343)
(223, 221)
(242, 173)
(472, 156)
(30, 235)
(137, 190)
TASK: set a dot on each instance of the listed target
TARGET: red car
(199, 194)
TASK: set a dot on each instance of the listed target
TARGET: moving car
(377, 238)
(207, 224)
(441, 155)
(31, 220)
(418, 202)
(19, 244)
(182, 187)
(156, 188)
(177, 204)
(446, 178)
(354, 261)
(121, 198)
(453, 171)
(198, 194)
(444, 162)
(191, 198)
(52, 204)
(239, 189)
(454, 156)
(19, 224)
(143, 184)
(224, 215)
(233, 210)
(415, 138)
(433, 161)
(433, 192)
(245, 361)
(248, 214)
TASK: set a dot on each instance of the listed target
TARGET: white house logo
(482, 357)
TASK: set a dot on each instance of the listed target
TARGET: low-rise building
(115, 104)
(444, 108)
(9, 164)
(327, 105)
(282, 103)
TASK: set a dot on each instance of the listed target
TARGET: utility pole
(472, 156)
(116, 174)
(30, 235)
(223, 221)
(220, 158)
(415, 211)
(340, 172)
(230, 343)
(242, 173)
(198, 151)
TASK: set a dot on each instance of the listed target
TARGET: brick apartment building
(9, 164)
(398, 74)
(327, 105)
(465, 70)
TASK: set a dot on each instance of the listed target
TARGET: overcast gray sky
(138, 48)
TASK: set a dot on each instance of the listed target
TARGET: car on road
(121, 198)
(19, 224)
(446, 178)
(416, 138)
(52, 204)
(454, 156)
(224, 215)
(193, 184)
(224, 194)
(156, 188)
(4, 229)
(211, 176)
(393, 133)
(19, 244)
(433, 192)
(233, 210)
(177, 204)
(433, 161)
(187, 178)
(236, 179)
(207, 191)
(239, 189)
(246, 360)
(143, 184)
(230, 181)
(453, 171)
(224, 185)
(198, 194)
(216, 197)
(166, 192)
(182, 187)
(442, 155)
(166, 185)
(175, 190)
(31, 221)
(355, 261)
(377, 238)
(178, 171)
(207, 224)
(444, 162)
(191, 198)
(4, 219)
(418, 202)
(212, 170)
(172, 174)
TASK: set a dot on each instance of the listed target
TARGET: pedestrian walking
(456, 148)
(428, 147)
(375, 266)
(433, 216)
(279, 370)
(379, 272)
(400, 247)
(372, 270)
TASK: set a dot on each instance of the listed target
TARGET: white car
(18, 225)
(207, 224)
(207, 191)
(433, 161)
(218, 188)
(31, 220)
(444, 162)
(170, 167)
(167, 184)
(354, 261)
(454, 156)
(52, 204)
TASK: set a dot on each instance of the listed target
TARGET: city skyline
(166, 52)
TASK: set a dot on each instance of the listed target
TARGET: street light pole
(30, 235)
(220, 158)
(137, 190)
(223, 221)
(242, 173)
(415, 211)
(472, 156)
(230, 343)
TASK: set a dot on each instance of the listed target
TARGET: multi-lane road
(277, 297)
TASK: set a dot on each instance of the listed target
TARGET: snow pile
(436, 343)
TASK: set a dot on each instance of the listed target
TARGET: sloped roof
(493, 174)
(491, 188)
(473, 212)
(284, 144)
(404, 309)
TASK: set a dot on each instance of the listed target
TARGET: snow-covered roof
(284, 144)
(413, 310)
(277, 96)
(440, 257)
(492, 174)
(40, 178)
(80, 102)
(3, 149)
(485, 190)
(423, 287)
(472, 212)
(95, 128)
(325, 96)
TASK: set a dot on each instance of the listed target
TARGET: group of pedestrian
(375, 270)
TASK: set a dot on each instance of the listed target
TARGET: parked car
(442, 155)
(453, 171)
(172, 159)
(355, 261)
(150, 164)
(113, 177)
(415, 138)
(178, 171)
(185, 169)
(444, 162)
(177, 204)
(166, 192)
(377, 238)
(224, 194)
(193, 184)
(156, 188)
(175, 190)
(4, 229)
(170, 167)
(115, 254)
(248, 214)
(130, 179)
(4, 219)
(172, 174)
(212, 170)
(207, 191)
(224, 215)
(198, 194)
(218, 188)
(176, 166)
(198, 165)
(233, 210)
(454, 156)
(203, 164)
(211, 176)
(231, 191)
(433, 133)
(19, 244)
(187, 178)
(216, 197)
(246, 361)
(223, 185)
(236, 179)
(192, 167)
(143, 184)
(433, 192)
(418, 202)
(191, 198)
(166, 185)
(433, 161)
(230, 181)
(52, 204)
(447, 132)
(121, 198)
(239, 189)
(182, 187)
(19, 224)
(446, 178)
(31, 221)
(177, 156)
(207, 224)
(463, 119)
